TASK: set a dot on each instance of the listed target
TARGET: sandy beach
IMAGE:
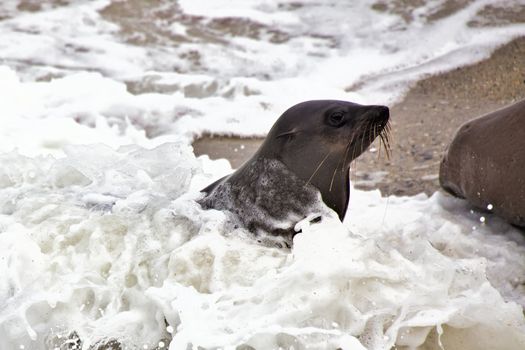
(423, 123)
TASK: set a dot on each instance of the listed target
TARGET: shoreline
(423, 123)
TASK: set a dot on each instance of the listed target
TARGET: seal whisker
(287, 133)
(367, 135)
(318, 167)
(380, 145)
(381, 142)
(341, 162)
(346, 151)
(370, 133)
(376, 134)
(353, 149)
(388, 136)
(386, 144)
(332, 181)
(362, 142)
(355, 170)
(355, 163)
(384, 140)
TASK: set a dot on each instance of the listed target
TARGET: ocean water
(102, 242)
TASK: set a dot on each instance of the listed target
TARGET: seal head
(307, 152)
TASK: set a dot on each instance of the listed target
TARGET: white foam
(44, 117)
(110, 243)
(239, 84)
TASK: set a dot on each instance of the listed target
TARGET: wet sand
(423, 123)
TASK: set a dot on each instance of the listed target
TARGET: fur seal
(485, 163)
(307, 152)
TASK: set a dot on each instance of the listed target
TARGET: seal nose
(379, 114)
(381, 111)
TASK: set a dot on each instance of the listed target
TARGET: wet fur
(301, 157)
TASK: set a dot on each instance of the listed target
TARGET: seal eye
(336, 119)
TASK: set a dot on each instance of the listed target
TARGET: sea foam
(233, 67)
(111, 245)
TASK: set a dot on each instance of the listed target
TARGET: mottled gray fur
(265, 197)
